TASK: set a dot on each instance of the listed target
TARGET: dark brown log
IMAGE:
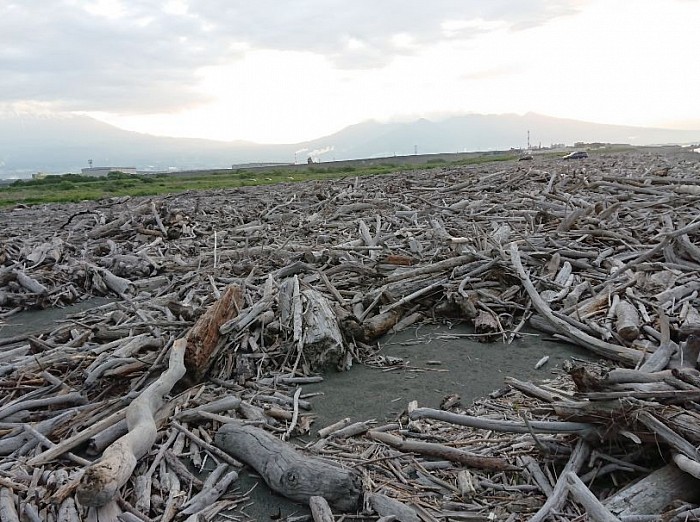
(203, 338)
(289, 472)
(487, 325)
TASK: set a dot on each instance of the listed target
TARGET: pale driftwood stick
(596, 511)
(220, 454)
(410, 297)
(351, 430)
(49, 444)
(440, 266)
(537, 475)
(342, 423)
(295, 415)
(31, 514)
(659, 359)
(77, 439)
(68, 512)
(443, 452)
(502, 426)
(627, 325)
(559, 494)
(320, 510)
(690, 466)
(290, 473)
(668, 435)
(217, 484)
(68, 398)
(654, 493)
(102, 480)
(627, 356)
(8, 511)
(387, 506)
(230, 402)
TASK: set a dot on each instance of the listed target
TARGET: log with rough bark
(322, 341)
(289, 472)
(102, 480)
(203, 337)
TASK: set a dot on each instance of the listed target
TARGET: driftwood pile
(227, 302)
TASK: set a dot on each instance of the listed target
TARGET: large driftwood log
(102, 480)
(654, 492)
(287, 471)
(322, 341)
(203, 338)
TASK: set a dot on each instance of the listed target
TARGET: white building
(100, 172)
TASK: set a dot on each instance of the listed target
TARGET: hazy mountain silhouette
(64, 144)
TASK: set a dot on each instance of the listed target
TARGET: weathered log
(322, 341)
(203, 337)
(627, 325)
(102, 480)
(386, 506)
(654, 493)
(287, 471)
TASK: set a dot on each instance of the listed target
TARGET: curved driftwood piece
(289, 472)
(103, 479)
(627, 356)
(654, 492)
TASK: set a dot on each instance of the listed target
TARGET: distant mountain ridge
(30, 144)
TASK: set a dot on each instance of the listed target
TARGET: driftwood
(287, 471)
(102, 480)
(607, 258)
(203, 337)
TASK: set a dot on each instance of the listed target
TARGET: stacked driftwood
(227, 302)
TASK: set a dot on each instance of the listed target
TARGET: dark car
(579, 154)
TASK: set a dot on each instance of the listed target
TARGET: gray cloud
(60, 53)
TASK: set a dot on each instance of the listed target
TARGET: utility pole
(528, 139)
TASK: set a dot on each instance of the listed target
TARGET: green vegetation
(75, 187)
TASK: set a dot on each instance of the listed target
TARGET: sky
(281, 71)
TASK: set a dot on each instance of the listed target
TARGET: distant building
(100, 172)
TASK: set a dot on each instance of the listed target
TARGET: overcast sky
(290, 70)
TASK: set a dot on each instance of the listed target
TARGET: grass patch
(70, 188)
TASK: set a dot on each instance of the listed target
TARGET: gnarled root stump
(288, 472)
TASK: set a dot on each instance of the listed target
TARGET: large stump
(288, 472)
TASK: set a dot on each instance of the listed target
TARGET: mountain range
(59, 144)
